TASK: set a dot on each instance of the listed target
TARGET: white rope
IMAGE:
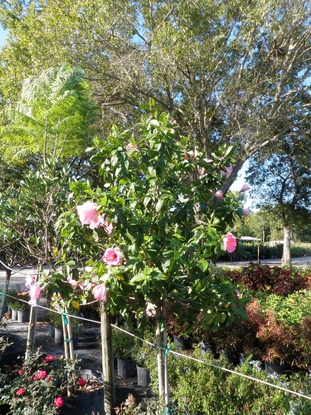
(179, 354)
(20, 271)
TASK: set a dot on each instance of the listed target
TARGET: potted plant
(11, 301)
(179, 332)
(22, 307)
(123, 345)
(140, 353)
(56, 326)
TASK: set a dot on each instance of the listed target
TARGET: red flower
(81, 381)
(58, 402)
(20, 391)
(40, 375)
(20, 371)
(49, 358)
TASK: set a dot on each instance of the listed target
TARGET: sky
(2, 36)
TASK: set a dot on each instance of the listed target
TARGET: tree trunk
(32, 327)
(160, 354)
(107, 361)
(5, 290)
(286, 258)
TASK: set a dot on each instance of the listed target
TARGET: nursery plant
(149, 234)
(32, 387)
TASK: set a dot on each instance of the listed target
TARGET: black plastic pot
(181, 343)
(274, 368)
(143, 376)
(88, 403)
(126, 368)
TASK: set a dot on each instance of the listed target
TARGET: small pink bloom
(223, 173)
(172, 131)
(108, 228)
(29, 280)
(201, 171)
(150, 309)
(34, 294)
(73, 283)
(58, 402)
(175, 122)
(228, 170)
(229, 242)
(245, 188)
(88, 215)
(100, 293)
(246, 212)
(49, 358)
(219, 194)
(208, 160)
(134, 147)
(49, 379)
(20, 391)
(81, 381)
(238, 294)
(190, 153)
(185, 399)
(113, 256)
(20, 371)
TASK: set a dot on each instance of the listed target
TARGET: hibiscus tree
(167, 224)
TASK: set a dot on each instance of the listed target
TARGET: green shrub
(200, 388)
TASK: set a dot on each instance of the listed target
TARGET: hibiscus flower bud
(245, 188)
(219, 194)
(246, 212)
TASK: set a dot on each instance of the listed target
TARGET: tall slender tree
(282, 183)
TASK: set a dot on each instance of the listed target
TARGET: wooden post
(32, 327)
(166, 384)
(258, 254)
(66, 346)
(160, 353)
(71, 353)
(107, 361)
(5, 290)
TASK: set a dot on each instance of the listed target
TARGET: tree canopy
(230, 71)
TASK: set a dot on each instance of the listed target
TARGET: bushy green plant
(141, 349)
(123, 344)
(200, 388)
(17, 300)
(289, 310)
(55, 319)
(151, 407)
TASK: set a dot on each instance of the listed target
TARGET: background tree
(54, 117)
(230, 71)
(281, 181)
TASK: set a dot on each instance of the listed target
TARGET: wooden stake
(107, 361)
(8, 273)
(160, 353)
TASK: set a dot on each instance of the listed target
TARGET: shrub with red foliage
(277, 280)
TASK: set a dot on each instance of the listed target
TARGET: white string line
(18, 271)
(180, 354)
